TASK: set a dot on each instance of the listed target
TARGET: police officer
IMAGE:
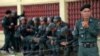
(57, 20)
(34, 23)
(30, 22)
(8, 27)
(59, 25)
(14, 17)
(22, 34)
(66, 36)
(52, 42)
(29, 38)
(86, 31)
(41, 35)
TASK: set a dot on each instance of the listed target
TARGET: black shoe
(41, 55)
(2, 48)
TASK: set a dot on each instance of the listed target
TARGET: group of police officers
(50, 35)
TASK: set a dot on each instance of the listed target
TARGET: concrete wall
(26, 2)
(8, 2)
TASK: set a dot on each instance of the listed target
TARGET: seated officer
(66, 37)
(52, 39)
(34, 24)
(22, 33)
(41, 35)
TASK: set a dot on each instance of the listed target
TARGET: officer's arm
(99, 27)
(4, 23)
(39, 32)
(93, 30)
(20, 30)
(17, 33)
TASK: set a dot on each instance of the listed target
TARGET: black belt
(89, 44)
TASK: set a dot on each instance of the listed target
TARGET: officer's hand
(29, 30)
(85, 24)
(64, 43)
(22, 37)
(50, 37)
(52, 42)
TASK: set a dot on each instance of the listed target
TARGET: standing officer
(86, 31)
(14, 17)
(8, 27)
(14, 40)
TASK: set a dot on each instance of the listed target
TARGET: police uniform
(8, 32)
(24, 35)
(14, 20)
(59, 25)
(52, 42)
(66, 36)
(87, 38)
(42, 36)
(34, 22)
